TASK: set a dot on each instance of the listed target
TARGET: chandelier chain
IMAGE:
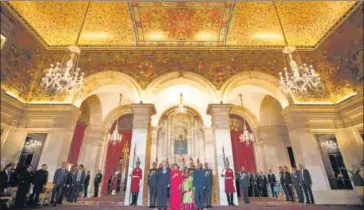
(280, 24)
(83, 22)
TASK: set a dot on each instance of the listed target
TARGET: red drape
(77, 139)
(242, 153)
(114, 152)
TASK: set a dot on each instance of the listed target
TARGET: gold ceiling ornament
(65, 76)
(298, 77)
(181, 107)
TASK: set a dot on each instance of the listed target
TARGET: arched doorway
(243, 153)
(117, 158)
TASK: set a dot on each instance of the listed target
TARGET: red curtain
(242, 153)
(77, 139)
(114, 152)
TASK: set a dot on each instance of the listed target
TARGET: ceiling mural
(339, 61)
(138, 24)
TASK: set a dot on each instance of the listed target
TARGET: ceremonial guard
(136, 180)
(228, 174)
(208, 186)
(152, 184)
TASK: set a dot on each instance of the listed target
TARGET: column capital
(220, 115)
(142, 114)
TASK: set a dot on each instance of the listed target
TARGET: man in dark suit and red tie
(306, 183)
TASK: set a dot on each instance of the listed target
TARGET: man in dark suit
(5, 177)
(78, 179)
(306, 183)
(272, 182)
(86, 183)
(152, 184)
(208, 185)
(253, 185)
(296, 184)
(163, 183)
(288, 183)
(25, 178)
(97, 182)
(282, 182)
(244, 181)
(263, 182)
(199, 185)
(59, 181)
(39, 181)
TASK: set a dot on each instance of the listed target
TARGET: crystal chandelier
(115, 137)
(181, 107)
(297, 77)
(246, 136)
(330, 146)
(65, 76)
(32, 144)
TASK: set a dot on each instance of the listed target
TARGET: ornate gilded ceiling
(181, 24)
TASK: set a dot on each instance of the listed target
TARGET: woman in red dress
(176, 181)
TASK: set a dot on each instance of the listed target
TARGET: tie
(302, 175)
(78, 176)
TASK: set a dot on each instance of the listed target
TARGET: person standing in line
(296, 184)
(199, 185)
(176, 181)
(86, 183)
(25, 179)
(244, 181)
(5, 177)
(306, 183)
(272, 182)
(68, 187)
(152, 184)
(264, 185)
(136, 181)
(260, 181)
(59, 181)
(228, 174)
(39, 181)
(77, 183)
(288, 183)
(163, 183)
(282, 182)
(208, 185)
(97, 182)
(188, 191)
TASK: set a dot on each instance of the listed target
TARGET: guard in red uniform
(228, 173)
(136, 180)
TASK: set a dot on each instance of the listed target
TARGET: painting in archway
(117, 158)
(243, 153)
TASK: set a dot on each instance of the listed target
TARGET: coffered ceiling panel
(233, 24)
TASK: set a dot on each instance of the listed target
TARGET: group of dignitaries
(297, 180)
(69, 184)
(66, 184)
(190, 188)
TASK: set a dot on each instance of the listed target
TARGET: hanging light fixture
(330, 146)
(115, 136)
(65, 76)
(297, 77)
(181, 107)
(246, 136)
(32, 144)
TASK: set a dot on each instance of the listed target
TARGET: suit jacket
(163, 179)
(81, 178)
(40, 178)
(282, 178)
(260, 180)
(304, 177)
(271, 179)
(98, 179)
(152, 177)
(4, 179)
(287, 178)
(199, 178)
(208, 177)
(244, 180)
(253, 180)
(60, 177)
(87, 180)
(295, 178)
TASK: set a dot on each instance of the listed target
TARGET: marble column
(221, 134)
(154, 146)
(142, 118)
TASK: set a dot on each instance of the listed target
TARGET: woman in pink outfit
(176, 181)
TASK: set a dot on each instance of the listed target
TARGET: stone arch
(116, 113)
(188, 109)
(95, 82)
(245, 114)
(91, 110)
(267, 84)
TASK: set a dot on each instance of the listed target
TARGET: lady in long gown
(176, 181)
(188, 191)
